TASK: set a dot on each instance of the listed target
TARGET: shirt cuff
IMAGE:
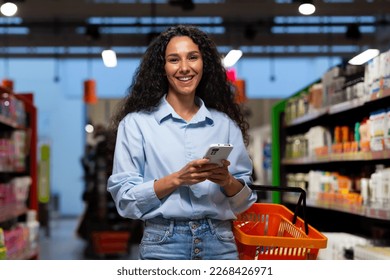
(242, 199)
(146, 197)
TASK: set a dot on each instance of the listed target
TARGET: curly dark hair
(150, 83)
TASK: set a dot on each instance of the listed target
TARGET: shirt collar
(165, 111)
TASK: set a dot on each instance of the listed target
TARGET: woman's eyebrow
(190, 52)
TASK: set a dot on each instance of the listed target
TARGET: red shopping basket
(110, 242)
(270, 231)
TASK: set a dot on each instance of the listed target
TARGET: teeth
(184, 78)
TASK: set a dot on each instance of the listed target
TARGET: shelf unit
(370, 221)
(15, 211)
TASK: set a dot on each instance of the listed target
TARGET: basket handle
(301, 199)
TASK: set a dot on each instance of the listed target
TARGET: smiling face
(183, 66)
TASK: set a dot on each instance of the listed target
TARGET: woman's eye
(193, 57)
(173, 60)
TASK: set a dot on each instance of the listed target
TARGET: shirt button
(197, 250)
(197, 240)
(194, 226)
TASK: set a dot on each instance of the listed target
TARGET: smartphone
(217, 152)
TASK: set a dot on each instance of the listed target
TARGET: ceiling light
(8, 9)
(364, 57)
(232, 57)
(89, 128)
(109, 58)
(307, 8)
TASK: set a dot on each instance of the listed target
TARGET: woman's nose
(184, 67)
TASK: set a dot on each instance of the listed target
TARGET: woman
(179, 103)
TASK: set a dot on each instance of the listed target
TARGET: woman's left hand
(221, 175)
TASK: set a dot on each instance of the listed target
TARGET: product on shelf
(32, 225)
(341, 246)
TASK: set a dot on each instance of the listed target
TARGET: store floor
(60, 242)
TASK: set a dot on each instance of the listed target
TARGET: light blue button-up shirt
(151, 145)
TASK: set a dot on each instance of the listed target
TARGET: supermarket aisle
(64, 244)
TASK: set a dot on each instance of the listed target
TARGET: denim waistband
(179, 221)
(186, 224)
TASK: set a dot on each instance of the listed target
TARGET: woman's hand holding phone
(218, 152)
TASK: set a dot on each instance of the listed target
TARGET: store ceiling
(82, 28)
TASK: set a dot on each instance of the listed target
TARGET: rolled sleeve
(146, 197)
(134, 201)
(243, 199)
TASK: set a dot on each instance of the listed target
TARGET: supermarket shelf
(341, 157)
(308, 117)
(22, 115)
(362, 210)
(332, 211)
(340, 107)
(345, 106)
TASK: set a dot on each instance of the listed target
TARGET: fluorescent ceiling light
(109, 58)
(231, 58)
(363, 57)
(307, 8)
(8, 9)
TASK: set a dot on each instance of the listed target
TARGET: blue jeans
(204, 239)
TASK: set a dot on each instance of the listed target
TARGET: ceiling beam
(138, 54)
(134, 40)
(248, 10)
